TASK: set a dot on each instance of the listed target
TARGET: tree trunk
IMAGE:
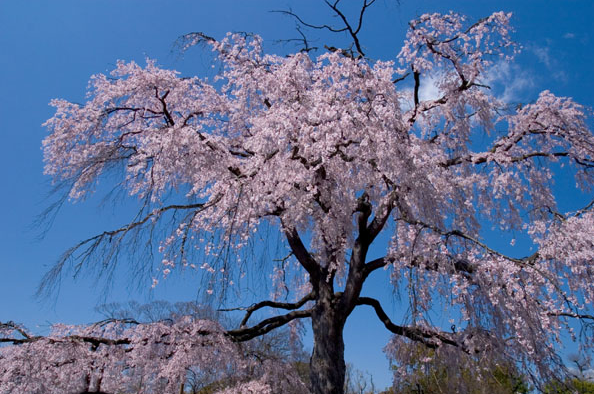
(327, 367)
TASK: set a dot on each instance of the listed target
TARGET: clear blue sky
(49, 49)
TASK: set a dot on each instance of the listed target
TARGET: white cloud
(569, 36)
(428, 89)
(544, 56)
(509, 82)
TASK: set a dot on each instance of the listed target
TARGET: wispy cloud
(428, 89)
(543, 54)
(509, 82)
(569, 36)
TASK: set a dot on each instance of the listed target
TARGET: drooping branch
(88, 246)
(467, 268)
(585, 209)
(476, 159)
(92, 340)
(460, 266)
(431, 339)
(564, 217)
(457, 233)
(580, 316)
(152, 215)
(12, 326)
(564, 134)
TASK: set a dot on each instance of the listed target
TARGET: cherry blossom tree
(333, 152)
(125, 356)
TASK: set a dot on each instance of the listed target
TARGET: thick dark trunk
(327, 367)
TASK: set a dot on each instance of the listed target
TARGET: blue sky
(50, 49)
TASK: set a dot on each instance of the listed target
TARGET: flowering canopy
(333, 148)
(126, 356)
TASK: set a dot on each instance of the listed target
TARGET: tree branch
(301, 253)
(265, 326)
(416, 76)
(579, 316)
(376, 264)
(12, 326)
(90, 245)
(302, 22)
(367, 234)
(431, 339)
(476, 159)
(95, 341)
(585, 209)
(272, 304)
(355, 278)
(381, 217)
(353, 31)
(460, 234)
(348, 26)
(364, 210)
(458, 265)
(155, 213)
(401, 78)
(306, 47)
(166, 113)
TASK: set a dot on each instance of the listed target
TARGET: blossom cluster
(124, 356)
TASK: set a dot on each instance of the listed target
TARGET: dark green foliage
(572, 386)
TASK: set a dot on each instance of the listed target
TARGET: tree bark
(327, 366)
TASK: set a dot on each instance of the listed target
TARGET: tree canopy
(330, 151)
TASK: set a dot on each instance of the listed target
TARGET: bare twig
(351, 29)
